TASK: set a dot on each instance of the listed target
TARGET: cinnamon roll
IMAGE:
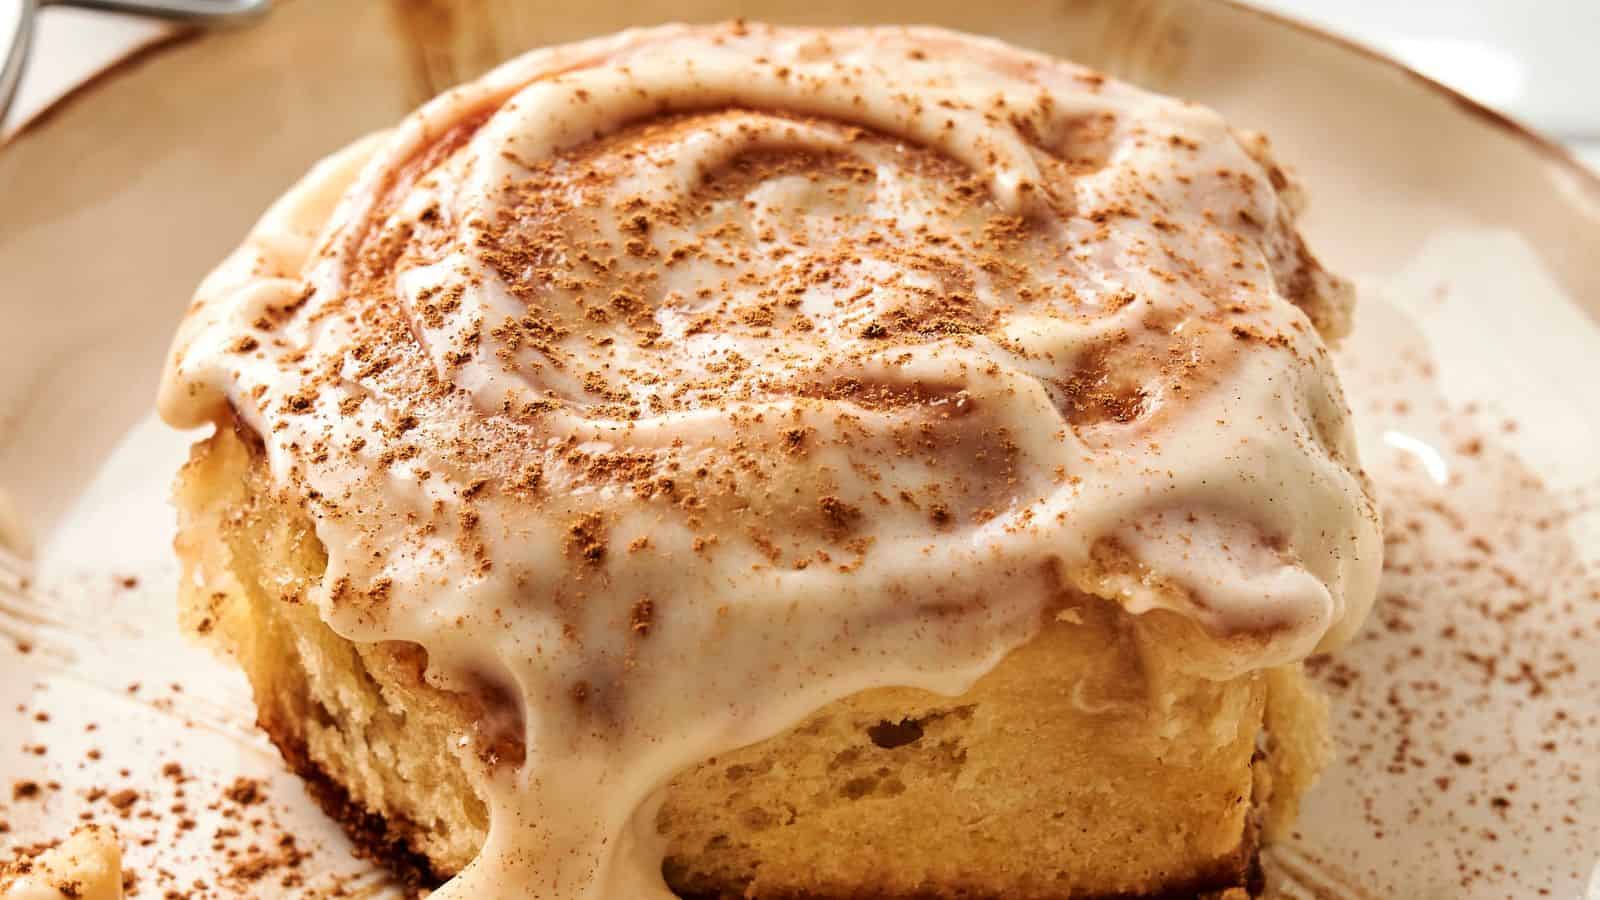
(740, 461)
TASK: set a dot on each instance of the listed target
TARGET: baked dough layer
(1079, 767)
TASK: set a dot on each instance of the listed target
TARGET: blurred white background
(1535, 60)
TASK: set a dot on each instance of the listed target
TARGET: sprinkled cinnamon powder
(869, 353)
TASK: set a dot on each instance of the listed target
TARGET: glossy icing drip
(677, 383)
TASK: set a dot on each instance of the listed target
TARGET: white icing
(1155, 238)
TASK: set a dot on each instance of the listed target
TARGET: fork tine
(16, 54)
(198, 11)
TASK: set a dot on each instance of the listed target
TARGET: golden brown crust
(286, 649)
(864, 386)
(390, 843)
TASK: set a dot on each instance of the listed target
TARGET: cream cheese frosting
(677, 383)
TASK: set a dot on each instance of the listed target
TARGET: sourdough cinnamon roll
(749, 461)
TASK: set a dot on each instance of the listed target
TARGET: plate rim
(1544, 151)
(1542, 144)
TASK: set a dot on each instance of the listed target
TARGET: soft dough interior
(1081, 766)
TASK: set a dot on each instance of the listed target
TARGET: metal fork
(16, 36)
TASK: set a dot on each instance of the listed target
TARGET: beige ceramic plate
(1468, 755)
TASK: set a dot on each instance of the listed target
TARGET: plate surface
(1468, 711)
